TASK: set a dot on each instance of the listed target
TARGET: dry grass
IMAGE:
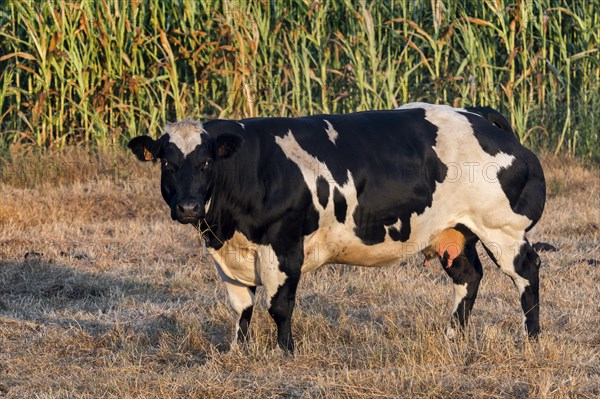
(101, 295)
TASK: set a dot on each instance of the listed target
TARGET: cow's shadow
(42, 292)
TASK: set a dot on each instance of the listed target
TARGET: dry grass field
(102, 296)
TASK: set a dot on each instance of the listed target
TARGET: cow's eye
(167, 165)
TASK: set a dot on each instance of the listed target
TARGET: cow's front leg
(241, 298)
(242, 302)
(281, 307)
(280, 276)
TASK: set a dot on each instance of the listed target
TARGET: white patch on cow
(331, 132)
(333, 242)
(460, 292)
(311, 169)
(267, 266)
(236, 333)
(236, 259)
(427, 106)
(185, 134)
(240, 296)
(419, 105)
(241, 124)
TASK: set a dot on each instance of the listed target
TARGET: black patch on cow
(524, 184)
(394, 233)
(322, 191)
(340, 206)
(492, 138)
(397, 183)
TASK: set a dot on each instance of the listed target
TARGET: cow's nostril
(188, 209)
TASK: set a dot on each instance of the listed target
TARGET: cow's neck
(230, 209)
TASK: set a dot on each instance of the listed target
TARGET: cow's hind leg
(529, 268)
(519, 260)
(466, 273)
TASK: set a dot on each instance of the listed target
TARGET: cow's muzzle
(189, 212)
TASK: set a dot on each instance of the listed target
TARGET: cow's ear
(227, 145)
(144, 148)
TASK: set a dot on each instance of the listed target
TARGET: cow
(277, 197)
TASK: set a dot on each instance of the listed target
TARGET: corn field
(99, 72)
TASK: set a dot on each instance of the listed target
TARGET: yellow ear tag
(148, 155)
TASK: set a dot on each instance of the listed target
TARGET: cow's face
(187, 156)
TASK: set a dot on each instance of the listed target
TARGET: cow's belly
(338, 244)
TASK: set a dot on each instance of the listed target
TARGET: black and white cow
(276, 197)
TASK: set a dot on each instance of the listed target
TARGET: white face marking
(185, 134)
(331, 132)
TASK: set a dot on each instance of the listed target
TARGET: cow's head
(187, 156)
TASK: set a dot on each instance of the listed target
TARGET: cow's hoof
(451, 332)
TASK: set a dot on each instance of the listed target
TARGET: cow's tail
(493, 116)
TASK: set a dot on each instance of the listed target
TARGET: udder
(449, 244)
